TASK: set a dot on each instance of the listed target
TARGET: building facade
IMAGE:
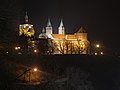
(26, 28)
(60, 43)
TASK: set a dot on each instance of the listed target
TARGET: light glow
(35, 69)
(17, 48)
(35, 51)
(95, 53)
(101, 53)
(97, 45)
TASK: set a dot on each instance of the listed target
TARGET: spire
(61, 23)
(49, 29)
(49, 23)
(26, 18)
(61, 29)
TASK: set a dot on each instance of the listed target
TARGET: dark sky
(100, 18)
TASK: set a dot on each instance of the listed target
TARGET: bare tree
(64, 46)
(82, 46)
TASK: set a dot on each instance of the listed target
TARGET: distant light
(95, 53)
(19, 53)
(35, 69)
(101, 53)
(16, 48)
(35, 51)
(97, 45)
(7, 52)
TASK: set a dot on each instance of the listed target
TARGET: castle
(62, 43)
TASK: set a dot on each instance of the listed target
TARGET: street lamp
(101, 53)
(17, 48)
(29, 72)
(35, 69)
(35, 50)
(95, 53)
(97, 45)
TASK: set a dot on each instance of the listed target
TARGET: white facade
(61, 29)
(49, 30)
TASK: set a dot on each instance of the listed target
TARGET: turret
(61, 29)
(26, 18)
(42, 34)
(81, 34)
(26, 28)
(49, 29)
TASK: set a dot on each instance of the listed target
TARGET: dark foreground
(59, 72)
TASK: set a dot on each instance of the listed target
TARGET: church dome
(43, 34)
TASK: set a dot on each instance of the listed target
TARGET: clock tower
(26, 35)
(26, 28)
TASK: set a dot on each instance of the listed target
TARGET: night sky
(100, 18)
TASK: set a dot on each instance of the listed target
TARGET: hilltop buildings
(60, 43)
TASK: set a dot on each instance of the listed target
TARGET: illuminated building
(62, 43)
(61, 29)
(49, 30)
(26, 28)
(76, 43)
(26, 34)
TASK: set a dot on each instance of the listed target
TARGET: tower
(49, 29)
(26, 34)
(81, 34)
(61, 29)
(26, 18)
(26, 29)
(82, 39)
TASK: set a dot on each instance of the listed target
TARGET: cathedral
(61, 43)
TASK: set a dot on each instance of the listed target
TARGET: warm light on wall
(26, 29)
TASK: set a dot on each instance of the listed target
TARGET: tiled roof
(61, 36)
(70, 37)
(58, 36)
